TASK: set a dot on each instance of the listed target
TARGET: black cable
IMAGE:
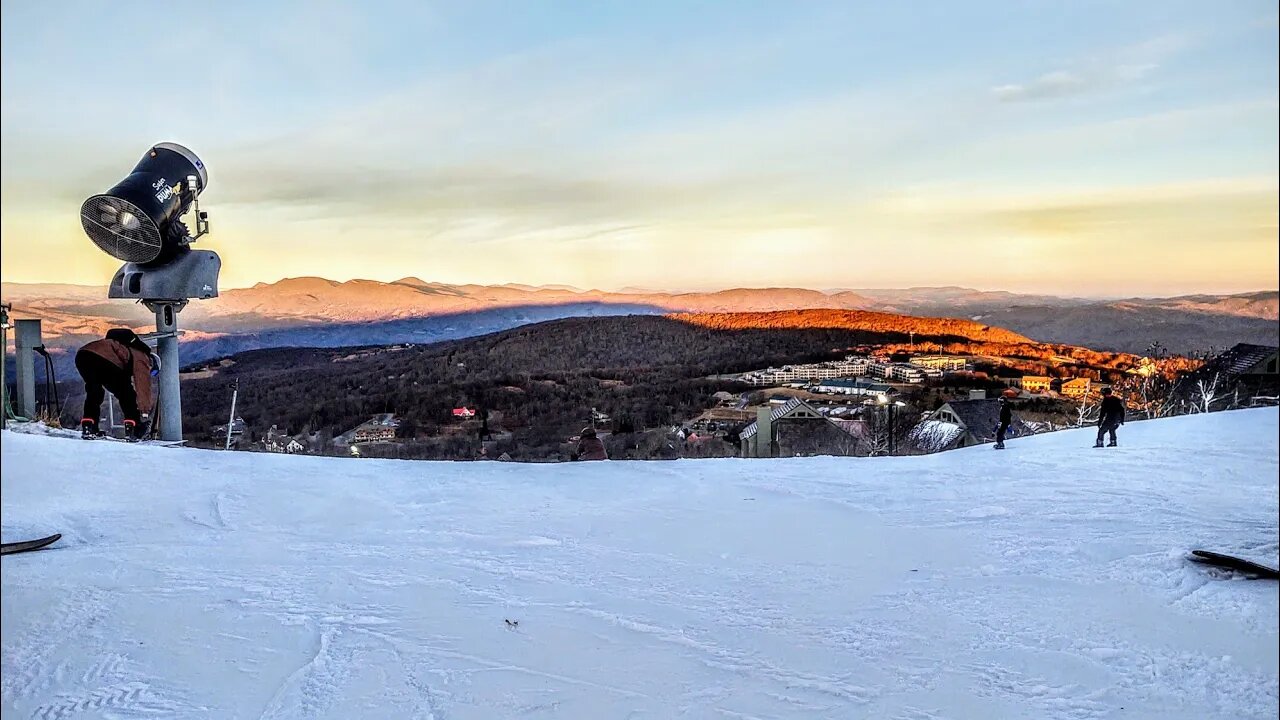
(50, 381)
(155, 415)
(51, 375)
(47, 407)
(153, 430)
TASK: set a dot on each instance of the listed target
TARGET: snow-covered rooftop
(935, 435)
(1045, 581)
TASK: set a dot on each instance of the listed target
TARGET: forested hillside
(541, 381)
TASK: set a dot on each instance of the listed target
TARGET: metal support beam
(26, 340)
(231, 424)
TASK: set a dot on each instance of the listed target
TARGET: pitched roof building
(238, 428)
(379, 427)
(1080, 388)
(1247, 374)
(794, 428)
(977, 420)
(1245, 359)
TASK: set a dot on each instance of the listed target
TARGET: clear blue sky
(1083, 147)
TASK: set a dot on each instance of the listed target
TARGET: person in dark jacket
(1110, 417)
(1006, 419)
(123, 365)
(590, 447)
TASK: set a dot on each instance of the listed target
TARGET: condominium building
(851, 366)
(945, 363)
(1036, 383)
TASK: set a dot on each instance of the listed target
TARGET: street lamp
(889, 406)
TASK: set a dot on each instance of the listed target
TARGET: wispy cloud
(1124, 66)
(477, 142)
(1066, 83)
(1059, 83)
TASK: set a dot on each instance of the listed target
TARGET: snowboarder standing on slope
(1110, 417)
(123, 365)
(590, 447)
(1006, 419)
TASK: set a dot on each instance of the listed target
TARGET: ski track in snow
(1048, 581)
(106, 684)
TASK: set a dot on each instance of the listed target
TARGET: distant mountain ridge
(371, 300)
(900, 299)
(318, 312)
(854, 320)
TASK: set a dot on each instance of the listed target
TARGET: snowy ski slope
(1047, 581)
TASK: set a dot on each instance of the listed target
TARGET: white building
(897, 372)
(902, 372)
(945, 363)
(854, 386)
(851, 366)
(291, 447)
(877, 369)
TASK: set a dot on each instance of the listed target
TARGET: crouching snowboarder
(123, 365)
(590, 447)
(1110, 417)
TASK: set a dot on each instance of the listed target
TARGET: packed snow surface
(1045, 581)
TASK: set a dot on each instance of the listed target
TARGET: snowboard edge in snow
(1248, 567)
(29, 545)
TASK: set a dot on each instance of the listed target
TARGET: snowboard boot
(1111, 444)
(998, 446)
(89, 430)
(131, 431)
(1098, 444)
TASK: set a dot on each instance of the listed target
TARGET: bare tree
(1150, 394)
(876, 440)
(1156, 393)
(1087, 413)
(1167, 406)
(1206, 392)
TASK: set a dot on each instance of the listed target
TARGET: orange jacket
(130, 360)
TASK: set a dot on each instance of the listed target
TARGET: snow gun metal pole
(231, 423)
(4, 365)
(167, 348)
